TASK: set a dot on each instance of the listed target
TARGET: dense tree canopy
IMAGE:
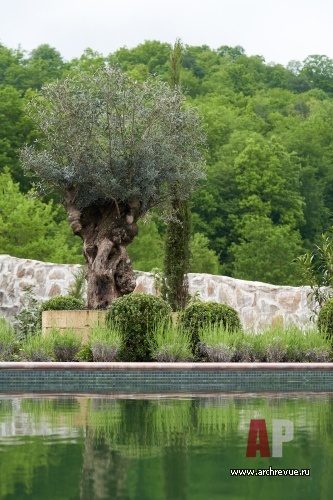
(109, 138)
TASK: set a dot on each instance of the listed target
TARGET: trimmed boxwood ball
(135, 315)
(325, 319)
(196, 315)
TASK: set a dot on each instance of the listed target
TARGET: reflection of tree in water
(175, 467)
(104, 471)
(121, 435)
(136, 435)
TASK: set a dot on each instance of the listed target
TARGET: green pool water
(162, 447)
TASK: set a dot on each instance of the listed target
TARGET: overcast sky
(278, 30)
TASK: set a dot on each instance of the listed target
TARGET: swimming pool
(163, 446)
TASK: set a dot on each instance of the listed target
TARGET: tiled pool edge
(164, 377)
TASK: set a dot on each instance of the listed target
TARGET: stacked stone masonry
(258, 304)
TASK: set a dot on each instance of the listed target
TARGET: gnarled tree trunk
(106, 229)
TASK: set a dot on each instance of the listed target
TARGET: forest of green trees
(268, 195)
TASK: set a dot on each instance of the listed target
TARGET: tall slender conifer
(177, 250)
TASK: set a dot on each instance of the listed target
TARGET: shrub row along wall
(258, 304)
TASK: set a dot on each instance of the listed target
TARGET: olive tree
(113, 148)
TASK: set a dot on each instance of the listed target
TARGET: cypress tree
(177, 249)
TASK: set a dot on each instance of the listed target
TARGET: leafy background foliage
(268, 195)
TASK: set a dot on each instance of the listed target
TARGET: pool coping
(153, 366)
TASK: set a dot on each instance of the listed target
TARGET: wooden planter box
(80, 320)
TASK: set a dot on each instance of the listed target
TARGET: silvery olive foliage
(111, 138)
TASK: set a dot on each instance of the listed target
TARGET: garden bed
(141, 328)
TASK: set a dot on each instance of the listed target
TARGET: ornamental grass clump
(66, 344)
(170, 343)
(276, 351)
(7, 341)
(291, 344)
(217, 342)
(245, 352)
(38, 348)
(105, 343)
(274, 345)
(310, 345)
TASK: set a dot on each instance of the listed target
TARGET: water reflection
(159, 448)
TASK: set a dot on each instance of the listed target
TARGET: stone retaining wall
(258, 304)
